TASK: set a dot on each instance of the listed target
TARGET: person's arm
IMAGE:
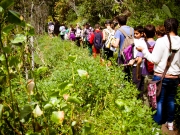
(104, 37)
(138, 74)
(156, 54)
(117, 39)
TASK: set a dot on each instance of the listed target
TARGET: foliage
(67, 93)
(149, 12)
(35, 12)
(81, 10)
(73, 95)
(92, 97)
(141, 12)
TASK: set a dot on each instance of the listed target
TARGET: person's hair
(139, 28)
(149, 30)
(108, 22)
(160, 30)
(112, 26)
(122, 19)
(97, 26)
(171, 25)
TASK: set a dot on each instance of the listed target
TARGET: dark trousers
(107, 53)
(78, 41)
(62, 37)
(166, 100)
(136, 81)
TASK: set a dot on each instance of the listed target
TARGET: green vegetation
(140, 12)
(66, 92)
(99, 100)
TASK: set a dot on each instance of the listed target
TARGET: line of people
(144, 65)
(148, 65)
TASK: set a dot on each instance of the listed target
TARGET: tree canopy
(140, 12)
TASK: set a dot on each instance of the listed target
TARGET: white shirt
(137, 42)
(161, 53)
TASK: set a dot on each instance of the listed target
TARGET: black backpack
(98, 40)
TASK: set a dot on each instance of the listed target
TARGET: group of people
(68, 33)
(150, 58)
(112, 38)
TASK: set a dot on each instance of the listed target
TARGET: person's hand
(139, 48)
(131, 62)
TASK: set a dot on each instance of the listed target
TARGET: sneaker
(169, 125)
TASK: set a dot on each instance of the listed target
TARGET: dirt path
(167, 132)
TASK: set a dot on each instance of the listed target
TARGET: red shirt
(91, 40)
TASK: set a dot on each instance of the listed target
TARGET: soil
(167, 132)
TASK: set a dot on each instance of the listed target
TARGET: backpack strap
(110, 32)
(169, 60)
(106, 30)
(148, 45)
(124, 33)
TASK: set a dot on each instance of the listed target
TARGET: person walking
(163, 48)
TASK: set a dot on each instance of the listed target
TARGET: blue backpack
(98, 40)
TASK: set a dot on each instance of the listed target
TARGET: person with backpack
(145, 72)
(108, 36)
(78, 35)
(62, 31)
(96, 40)
(138, 36)
(124, 37)
(86, 36)
(51, 29)
(72, 33)
(165, 47)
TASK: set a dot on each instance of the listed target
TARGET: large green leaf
(47, 106)
(41, 70)
(1, 109)
(57, 117)
(1, 9)
(63, 85)
(2, 58)
(74, 100)
(72, 58)
(120, 103)
(166, 10)
(25, 111)
(82, 73)
(19, 39)
(8, 28)
(14, 17)
(6, 3)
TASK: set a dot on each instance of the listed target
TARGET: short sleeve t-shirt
(120, 36)
(140, 54)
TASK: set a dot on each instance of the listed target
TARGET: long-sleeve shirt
(161, 53)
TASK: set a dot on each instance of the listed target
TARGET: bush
(100, 100)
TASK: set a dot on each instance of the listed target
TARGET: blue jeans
(166, 100)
